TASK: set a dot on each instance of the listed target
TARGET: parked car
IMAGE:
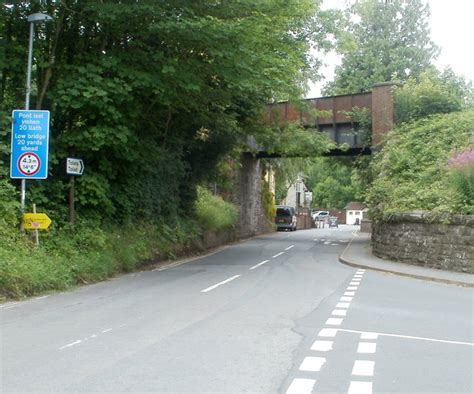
(320, 215)
(285, 218)
(333, 222)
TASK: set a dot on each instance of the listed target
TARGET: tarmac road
(277, 313)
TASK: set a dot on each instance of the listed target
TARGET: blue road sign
(30, 141)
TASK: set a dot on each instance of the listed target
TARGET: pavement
(358, 253)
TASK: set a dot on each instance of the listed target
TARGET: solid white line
(322, 346)
(360, 388)
(220, 284)
(41, 298)
(334, 321)
(367, 347)
(328, 332)
(363, 368)
(289, 247)
(312, 364)
(70, 344)
(343, 305)
(107, 330)
(349, 293)
(339, 312)
(259, 264)
(374, 335)
(278, 254)
(346, 299)
(352, 287)
(301, 386)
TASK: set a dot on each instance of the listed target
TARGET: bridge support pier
(248, 197)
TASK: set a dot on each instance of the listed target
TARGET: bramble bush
(413, 170)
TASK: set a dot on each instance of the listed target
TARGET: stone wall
(414, 238)
(248, 198)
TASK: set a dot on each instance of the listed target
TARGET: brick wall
(414, 238)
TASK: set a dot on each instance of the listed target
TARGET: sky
(452, 29)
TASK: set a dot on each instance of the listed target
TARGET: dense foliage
(156, 97)
(432, 93)
(150, 94)
(383, 41)
(413, 170)
(213, 213)
(85, 254)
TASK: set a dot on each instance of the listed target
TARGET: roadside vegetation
(154, 97)
(427, 164)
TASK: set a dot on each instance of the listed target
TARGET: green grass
(84, 254)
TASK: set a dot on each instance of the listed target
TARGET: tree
(151, 94)
(432, 93)
(384, 41)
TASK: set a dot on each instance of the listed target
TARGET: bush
(84, 253)
(431, 93)
(461, 167)
(213, 213)
(413, 171)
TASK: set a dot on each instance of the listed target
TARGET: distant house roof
(355, 206)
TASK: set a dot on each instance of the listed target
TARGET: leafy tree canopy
(383, 41)
(150, 94)
(431, 93)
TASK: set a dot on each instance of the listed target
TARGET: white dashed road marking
(339, 312)
(259, 264)
(334, 321)
(220, 284)
(70, 344)
(363, 368)
(312, 364)
(277, 255)
(367, 347)
(289, 247)
(343, 305)
(328, 332)
(322, 346)
(360, 388)
(301, 386)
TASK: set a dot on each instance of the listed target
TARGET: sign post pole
(37, 241)
(74, 167)
(72, 211)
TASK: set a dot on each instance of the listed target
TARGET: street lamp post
(32, 19)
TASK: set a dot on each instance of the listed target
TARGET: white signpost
(74, 166)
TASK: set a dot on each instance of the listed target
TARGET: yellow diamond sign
(36, 221)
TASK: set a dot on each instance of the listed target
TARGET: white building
(354, 212)
(298, 195)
